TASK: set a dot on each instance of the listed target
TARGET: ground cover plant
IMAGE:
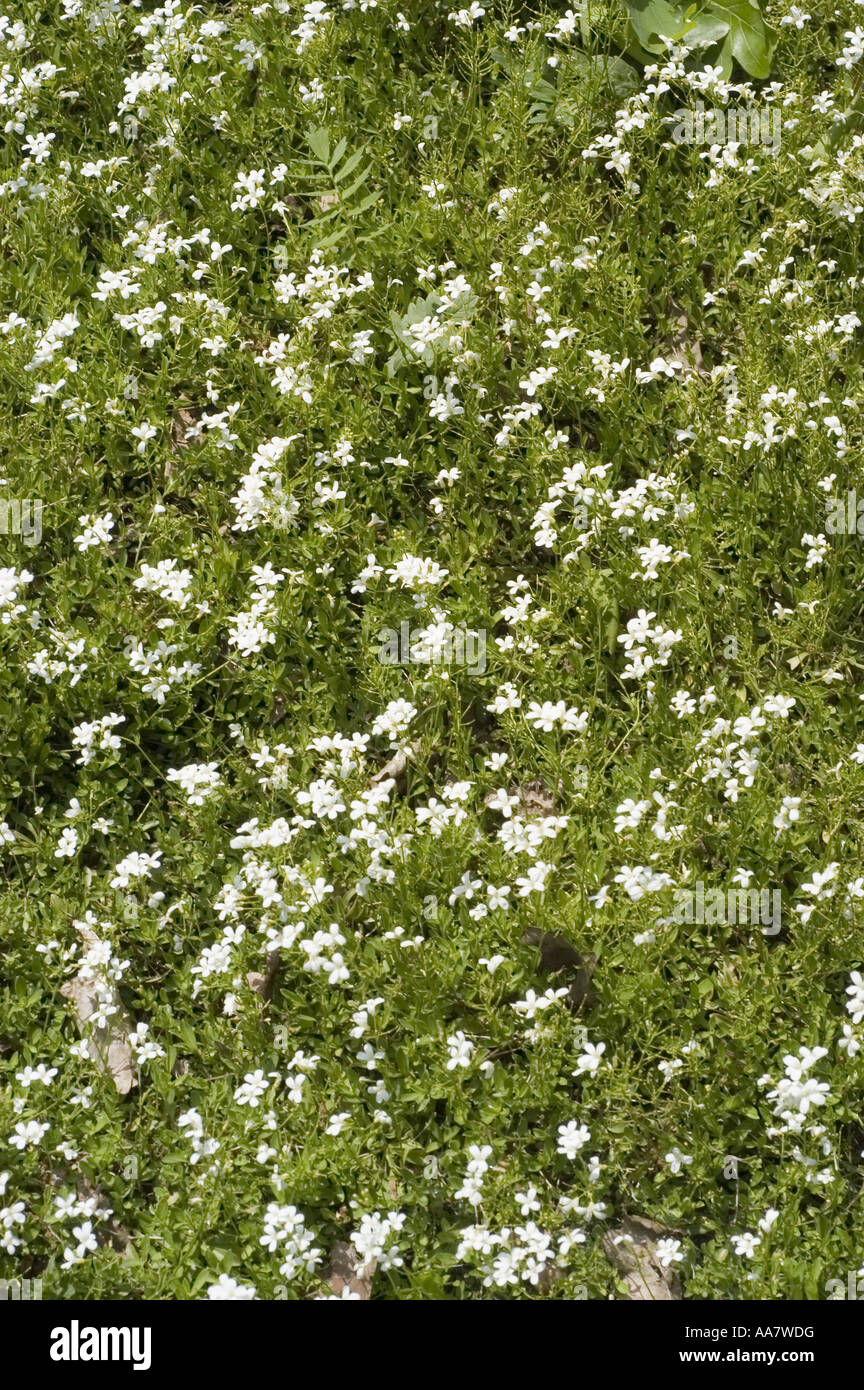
(431, 657)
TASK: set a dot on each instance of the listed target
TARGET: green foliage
(730, 31)
(318, 327)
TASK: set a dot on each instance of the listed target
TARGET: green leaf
(651, 19)
(750, 39)
(620, 76)
(319, 143)
(350, 163)
(737, 26)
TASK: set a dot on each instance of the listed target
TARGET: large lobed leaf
(737, 27)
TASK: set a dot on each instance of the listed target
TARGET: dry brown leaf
(262, 980)
(181, 422)
(686, 347)
(118, 1235)
(107, 1047)
(556, 954)
(345, 1271)
(632, 1248)
(397, 764)
(548, 1277)
(535, 798)
(394, 768)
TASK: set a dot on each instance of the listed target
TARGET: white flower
(394, 719)
(571, 1138)
(197, 781)
(677, 1160)
(746, 1244)
(855, 1004)
(227, 1289)
(27, 1134)
(668, 1252)
(67, 844)
(96, 530)
(547, 716)
(252, 1089)
(461, 1051)
(591, 1058)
